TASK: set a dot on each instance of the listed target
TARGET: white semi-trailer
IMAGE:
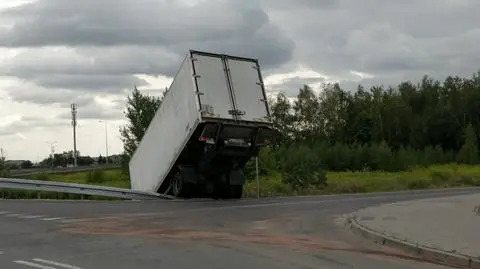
(213, 119)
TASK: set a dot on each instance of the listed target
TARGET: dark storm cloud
(93, 112)
(112, 40)
(30, 124)
(118, 60)
(393, 40)
(94, 83)
(230, 25)
(292, 86)
(299, 4)
(48, 97)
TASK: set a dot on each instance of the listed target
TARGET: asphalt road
(295, 233)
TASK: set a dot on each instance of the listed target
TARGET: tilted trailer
(214, 117)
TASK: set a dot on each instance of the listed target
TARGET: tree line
(380, 128)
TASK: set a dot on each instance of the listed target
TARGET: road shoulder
(439, 230)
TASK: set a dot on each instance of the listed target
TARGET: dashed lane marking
(34, 265)
(42, 217)
(58, 264)
(72, 220)
(14, 215)
(32, 216)
(49, 219)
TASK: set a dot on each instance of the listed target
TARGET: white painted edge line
(48, 219)
(34, 265)
(1, 252)
(58, 264)
(4, 212)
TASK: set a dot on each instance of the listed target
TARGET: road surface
(297, 232)
(445, 228)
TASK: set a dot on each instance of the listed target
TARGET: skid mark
(121, 226)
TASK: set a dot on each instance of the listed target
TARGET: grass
(437, 176)
(110, 177)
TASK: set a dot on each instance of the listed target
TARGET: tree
(139, 112)
(3, 159)
(469, 152)
(27, 164)
(383, 128)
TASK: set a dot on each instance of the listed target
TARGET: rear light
(206, 140)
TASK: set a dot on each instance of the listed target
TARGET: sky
(92, 53)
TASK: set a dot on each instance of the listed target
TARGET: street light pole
(74, 124)
(106, 141)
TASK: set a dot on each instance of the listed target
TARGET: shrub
(95, 176)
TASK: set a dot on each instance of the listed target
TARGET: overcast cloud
(62, 51)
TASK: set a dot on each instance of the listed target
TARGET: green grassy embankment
(438, 176)
(108, 177)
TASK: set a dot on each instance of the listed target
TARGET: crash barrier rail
(62, 187)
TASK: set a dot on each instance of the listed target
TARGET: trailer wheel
(235, 191)
(180, 187)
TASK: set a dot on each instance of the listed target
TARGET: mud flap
(189, 174)
(237, 177)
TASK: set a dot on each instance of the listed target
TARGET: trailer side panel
(167, 134)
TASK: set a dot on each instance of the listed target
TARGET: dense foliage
(139, 112)
(389, 129)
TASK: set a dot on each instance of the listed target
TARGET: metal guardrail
(39, 185)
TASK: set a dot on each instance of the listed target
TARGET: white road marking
(58, 264)
(34, 265)
(4, 212)
(32, 216)
(48, 219)
(14, 215)
(1, 252)
(71, 220)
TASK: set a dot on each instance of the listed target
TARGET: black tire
(235, 191)
(226, 191)
(180, 188)
(219, 191)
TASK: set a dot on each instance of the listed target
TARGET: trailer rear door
(212, 84)
(229, 87)
(248, 90)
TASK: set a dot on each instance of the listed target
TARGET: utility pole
(74, 125)
(106, 141)
(52, 151)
